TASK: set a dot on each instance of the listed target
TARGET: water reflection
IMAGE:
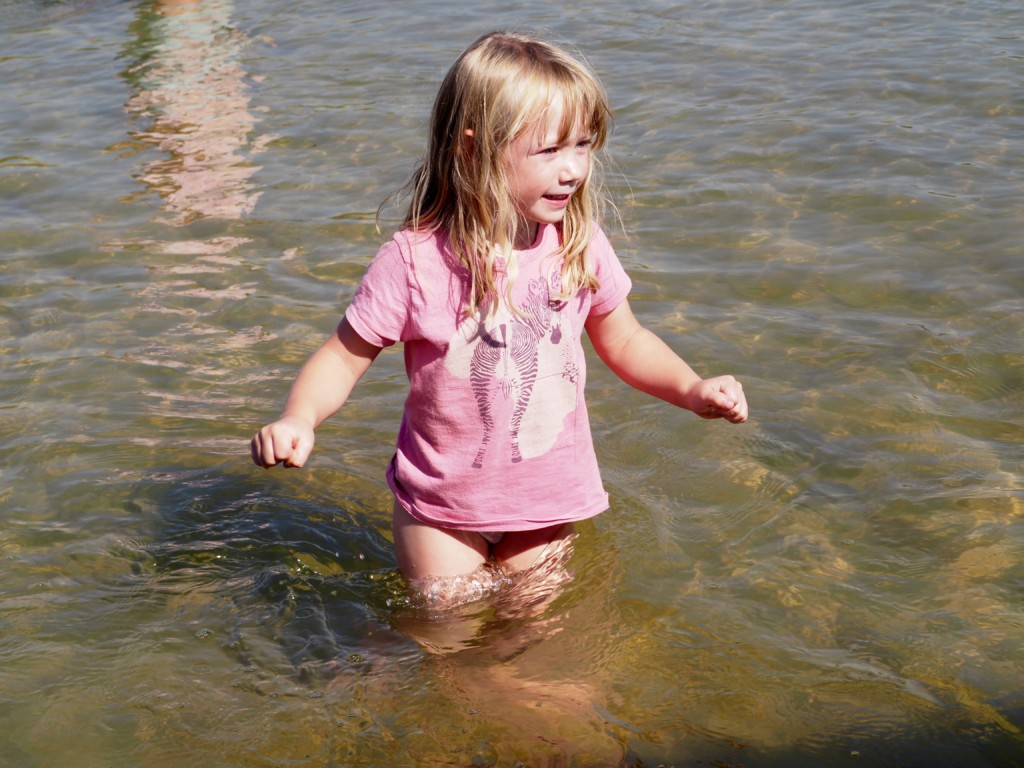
(192, 103)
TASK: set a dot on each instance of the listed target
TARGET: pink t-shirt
(495, 434)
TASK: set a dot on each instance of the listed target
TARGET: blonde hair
(497, 90)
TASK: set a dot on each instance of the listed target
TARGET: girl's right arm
(322, 387)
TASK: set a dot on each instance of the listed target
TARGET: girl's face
(545, 173)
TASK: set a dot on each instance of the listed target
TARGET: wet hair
(499, 89)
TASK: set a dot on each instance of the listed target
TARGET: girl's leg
(426, 552)
(520, 550)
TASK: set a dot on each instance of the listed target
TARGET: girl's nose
(572, 170)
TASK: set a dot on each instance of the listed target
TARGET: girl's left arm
(645, 362)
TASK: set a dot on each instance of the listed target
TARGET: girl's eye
(554, 150)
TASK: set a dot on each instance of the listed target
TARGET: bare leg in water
(479, 645)
(454, 567)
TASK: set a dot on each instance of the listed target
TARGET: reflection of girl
(192, 87)
(497, 272)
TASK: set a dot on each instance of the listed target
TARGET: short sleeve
(379, 311)
(615, 283)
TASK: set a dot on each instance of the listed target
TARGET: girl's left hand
(720, 397)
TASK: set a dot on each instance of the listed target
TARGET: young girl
(499, 267)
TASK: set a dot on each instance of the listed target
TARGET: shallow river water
(823, 198)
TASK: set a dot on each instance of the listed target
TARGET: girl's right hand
(288, 440)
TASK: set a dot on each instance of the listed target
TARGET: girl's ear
(467, 147)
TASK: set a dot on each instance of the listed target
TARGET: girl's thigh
(425, 551)
(519, 550)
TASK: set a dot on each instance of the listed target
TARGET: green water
(823, 199)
